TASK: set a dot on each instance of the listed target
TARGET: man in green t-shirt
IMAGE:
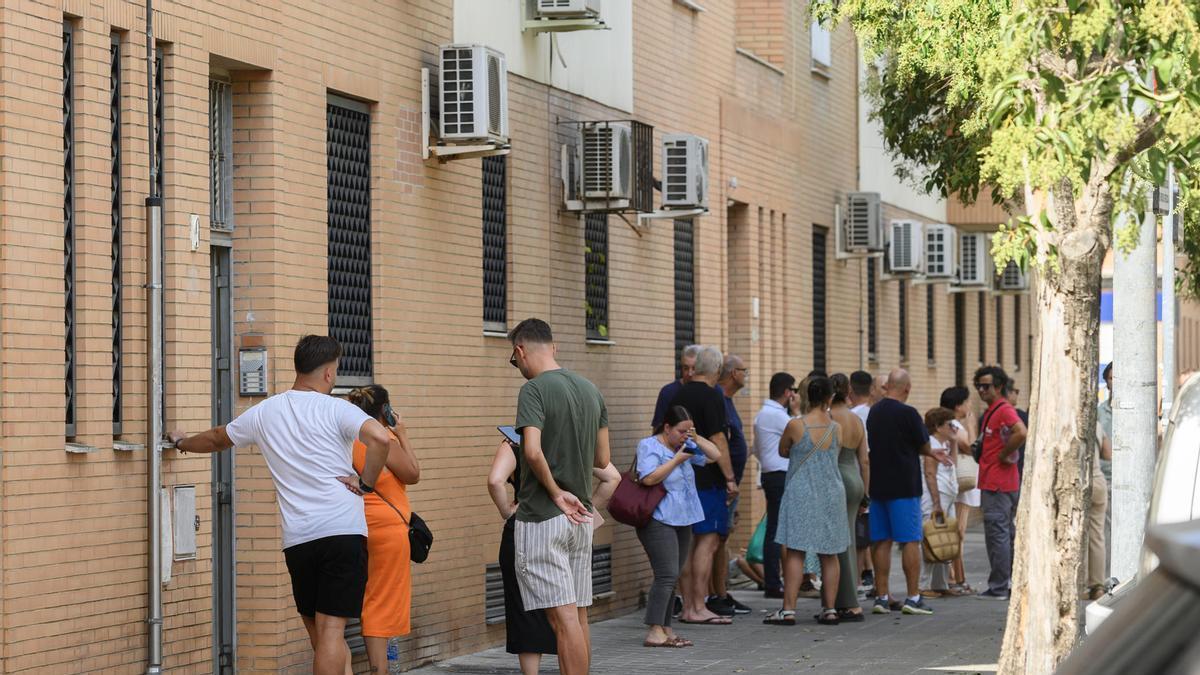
(564, 436)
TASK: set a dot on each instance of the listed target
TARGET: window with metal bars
(159, 122)
(930, 326)
(903, 320)
(595, 259)
(685, 284)
(114, 115)
(1016, 324)
(872, 317)
(982, 330)
(68, 110)
(819, 345)
(960, 339)
(220, 154)
(348, 191)
(1000, 330)
(495, 243)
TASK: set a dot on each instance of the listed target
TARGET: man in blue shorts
(896, 439)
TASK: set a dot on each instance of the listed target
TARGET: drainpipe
(154, 352)
(1168, 303)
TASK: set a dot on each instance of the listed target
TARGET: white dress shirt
(769, 424)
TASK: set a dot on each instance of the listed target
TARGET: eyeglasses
(742, 370)
(795, 390)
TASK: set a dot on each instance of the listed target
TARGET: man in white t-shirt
(307, 437)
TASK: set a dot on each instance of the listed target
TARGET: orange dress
(386, 605)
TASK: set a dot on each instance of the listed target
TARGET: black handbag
(977, 446)
(420, 537)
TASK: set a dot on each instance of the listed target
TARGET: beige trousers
(1096, 574)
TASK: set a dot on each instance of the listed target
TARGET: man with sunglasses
(1002, 434)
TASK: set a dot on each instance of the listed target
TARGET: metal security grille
(819, 346)
(982, 330)
(114, 116)
(595, 259)
(685, 284)
(220, 154)
(960, 339)
(930, 332)
(872, 305)
(999, 330)
(602, 581)
(493, 594)
(68, 108)
(903, 319)
(643, 167)
(495, 243)
(349, 204)
(354, 636)
(159, 119)
(1016, 324)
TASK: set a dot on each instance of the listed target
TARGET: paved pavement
(963, 636)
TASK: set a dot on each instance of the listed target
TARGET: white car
(1176, 496)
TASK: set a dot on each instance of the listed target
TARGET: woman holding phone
(388, 598)
(668, 457)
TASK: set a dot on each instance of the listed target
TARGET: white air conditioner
(473, 94)
(862, 228)
(606, 156)
(567, 9)
(685, 171)
(973, 257)
(939, 251)
(904, 247)
(1012, 279)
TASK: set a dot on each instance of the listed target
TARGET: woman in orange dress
(386, 604)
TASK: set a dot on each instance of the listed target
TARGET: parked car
(1176, 496)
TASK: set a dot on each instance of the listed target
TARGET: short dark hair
(819, 390)
(999, 378)
(936, 417)
(952, 397)
(841, 387)
(370, 399)
(1107, 371)
(780, 383)
(314, 351)
(674, 415)
(817, 373)
(531, 330)
(860, 383)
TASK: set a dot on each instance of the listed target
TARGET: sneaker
(677, 606)
(808, 590)
(738, 608)
(719, 606)
(916, 607)
(989, 594)
(868, 578)
(881, 606)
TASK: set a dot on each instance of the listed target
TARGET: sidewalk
(963, 636)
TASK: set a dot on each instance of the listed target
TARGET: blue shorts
(716, 513)
(732, 520)
(896, 519)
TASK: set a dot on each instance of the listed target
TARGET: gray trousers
(1000, 534)
(667, 547)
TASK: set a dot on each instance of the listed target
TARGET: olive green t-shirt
(570, 411)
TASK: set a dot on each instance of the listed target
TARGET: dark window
(999, 330)
(903, 319)
(114, 115)
(495, 243)
(872, 319)
(930, 332)
(1016, 323)
(595, 260)
(68, 109)
(982, 330)
(349, 203)
(159, 119)
(685, 284)
(819, 345)
(960, 339)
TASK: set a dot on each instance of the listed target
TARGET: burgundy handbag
(632, 502)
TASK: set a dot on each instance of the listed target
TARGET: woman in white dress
(957, 399)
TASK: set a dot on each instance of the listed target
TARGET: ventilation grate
(819, 343)
(595, 242)
(349, 205)
(685, 284)
(602, 581)
(458, 95)
(495, 243)
(114, 116)
(493, 594)
(675, 170)
(68, 110)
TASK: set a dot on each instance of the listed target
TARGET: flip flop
(713, 621)
(670, 644)
(682, 642)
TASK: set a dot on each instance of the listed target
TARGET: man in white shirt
(864, 391)
(307, 437)
(769, 424)
(861, 384)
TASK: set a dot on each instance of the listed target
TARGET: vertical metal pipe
(154, 389)
(1168, 303)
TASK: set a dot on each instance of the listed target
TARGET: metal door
(224, 614)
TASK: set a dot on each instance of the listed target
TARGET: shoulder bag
(977, 446)
(420, 538)
(633, 503)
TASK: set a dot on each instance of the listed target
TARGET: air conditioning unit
(862, 228)
(567, 9)
(904, 247)
(606, 156)
(973, 257)
(685, 171)
(939, 251)
(1011, 279)
(473, 94)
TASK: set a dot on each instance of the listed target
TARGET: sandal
(782, 617)
(682, 642)
(668, 643)
(828, 617)
(851, 616)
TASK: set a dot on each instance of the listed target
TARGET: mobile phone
(690, 447)
(389, 415)
(511, 434)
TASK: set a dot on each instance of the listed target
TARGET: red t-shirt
(993, 474)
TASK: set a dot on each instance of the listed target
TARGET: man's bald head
(899, 383)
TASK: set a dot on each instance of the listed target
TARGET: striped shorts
(554, 563)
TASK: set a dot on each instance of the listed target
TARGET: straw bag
(941, 543)
(968, 473)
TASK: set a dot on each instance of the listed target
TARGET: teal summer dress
(812, 515)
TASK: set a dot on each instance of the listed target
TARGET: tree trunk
(1043, 616)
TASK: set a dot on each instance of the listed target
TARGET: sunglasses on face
(983, 386)
(512, 360)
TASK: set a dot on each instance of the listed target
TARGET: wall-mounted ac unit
(1011, 280)
(607, 160)
(862, 228)
(904, 247)
(473, 94)
(685, 171)
(973, 259)
(939, 251)
(567, 9)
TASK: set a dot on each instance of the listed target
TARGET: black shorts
(329, 575)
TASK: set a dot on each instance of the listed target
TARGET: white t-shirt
(862, 410)
(307, 438)
(947, 480)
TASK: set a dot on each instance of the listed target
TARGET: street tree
(1066, 111)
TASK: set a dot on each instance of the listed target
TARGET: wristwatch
(364, 488)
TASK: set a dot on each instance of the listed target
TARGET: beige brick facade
(74, 550)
